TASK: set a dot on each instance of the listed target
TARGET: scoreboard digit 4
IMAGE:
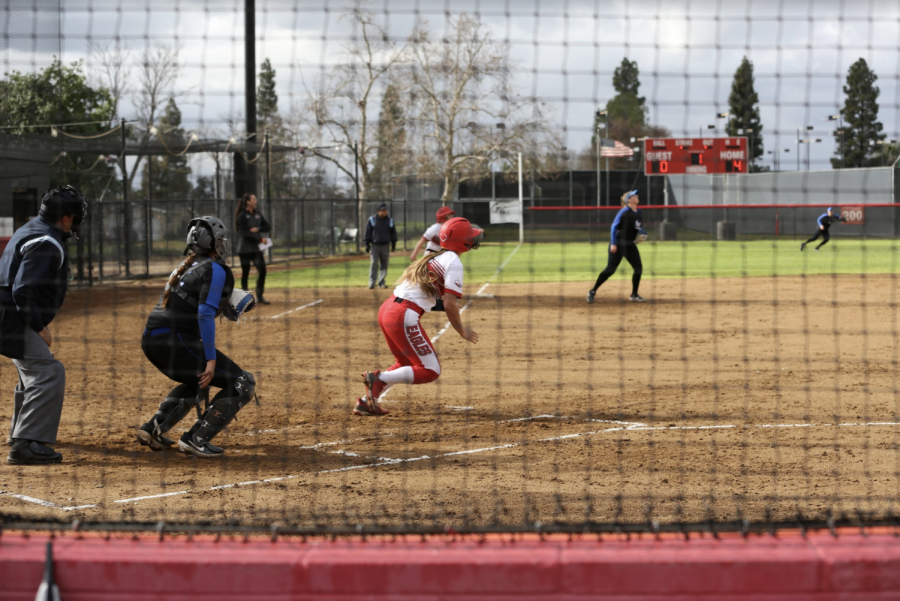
(664, 156)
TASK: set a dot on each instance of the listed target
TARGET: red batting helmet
(444, 213)
(460, 236)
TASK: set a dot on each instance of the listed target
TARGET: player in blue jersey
(824, 222)
(625, 234)
(180, 341)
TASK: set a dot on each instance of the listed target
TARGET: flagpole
(608, 197)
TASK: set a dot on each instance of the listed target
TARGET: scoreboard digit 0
(663, 156)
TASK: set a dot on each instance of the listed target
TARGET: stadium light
(840, 119)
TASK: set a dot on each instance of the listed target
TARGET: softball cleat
(374, 388)
(636, 298)
(590, 296)
(362, 408)
(148, 438)
(198, 447)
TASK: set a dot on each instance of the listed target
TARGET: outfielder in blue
(625, 234)
(824, 222)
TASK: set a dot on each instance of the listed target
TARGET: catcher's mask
(205, 235)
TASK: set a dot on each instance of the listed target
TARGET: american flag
(613, 148)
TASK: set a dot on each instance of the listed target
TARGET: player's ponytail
(625, 199)
(242, 206)
(417, 274)
(176, 275)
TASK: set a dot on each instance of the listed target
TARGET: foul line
(297, 309)
(620, 426)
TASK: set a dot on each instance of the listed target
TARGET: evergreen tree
(266, 98)
(744, 112)
(390, 138)
(170, 175)
(627, 106)
(861, 126)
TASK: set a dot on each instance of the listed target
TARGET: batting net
(757, 386)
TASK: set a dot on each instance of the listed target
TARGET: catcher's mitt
(240, 302)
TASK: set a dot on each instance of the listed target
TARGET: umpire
(380, 235)
(34, 272)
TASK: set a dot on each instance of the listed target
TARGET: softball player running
(435, 276)
(431, 239)
(625, 234)
(824, 222)
(180, 341)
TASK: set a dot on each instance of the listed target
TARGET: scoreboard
(664, 156)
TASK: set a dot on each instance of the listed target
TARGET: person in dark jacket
(251, 226)
(823, 223)
(625, 234)
(180, 341)
(34, 274)
(381, 239)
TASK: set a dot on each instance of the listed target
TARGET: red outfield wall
(757, 568)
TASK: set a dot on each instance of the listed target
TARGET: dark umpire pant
(630, 253)
(179, 356)
(259, 261)
(381, 254)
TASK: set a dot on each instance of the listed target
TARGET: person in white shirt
(436, 276)
(431, 239)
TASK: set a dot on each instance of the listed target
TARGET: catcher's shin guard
(171, 411)
(221, 412)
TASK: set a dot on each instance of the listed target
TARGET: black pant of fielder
(259, 261)
(630, 253)
(825, 238)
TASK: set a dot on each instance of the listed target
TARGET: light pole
(807, 141)
(724, 115)
(707, 127)
(808, 128)
(776, 156)
(749, 130)
(840, 119)
(605, 124)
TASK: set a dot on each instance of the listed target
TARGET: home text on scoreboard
(665, 156)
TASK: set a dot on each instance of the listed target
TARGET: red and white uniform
(416, 360)
(433, 237)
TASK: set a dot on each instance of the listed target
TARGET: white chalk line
(306, 306)
(622, 426)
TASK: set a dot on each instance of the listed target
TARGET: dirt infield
(719, 399)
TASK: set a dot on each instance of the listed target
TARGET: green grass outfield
(580, 262)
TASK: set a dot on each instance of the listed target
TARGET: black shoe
(382, 285)
(261, 300)
(590, 296)
(32, 452)
(156, 442)
(802, 246)
(199, 447)
(636, 298)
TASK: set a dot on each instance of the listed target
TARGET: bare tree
(112, 71)
(343, 97)
(464, 110)
(158, 69)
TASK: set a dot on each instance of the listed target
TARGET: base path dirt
(719, 399)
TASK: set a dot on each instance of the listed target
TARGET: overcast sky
(564, 52)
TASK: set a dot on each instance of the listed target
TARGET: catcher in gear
(625, 234)
(436, 276)
(180, 341)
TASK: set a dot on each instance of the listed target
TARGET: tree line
(443, 108)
